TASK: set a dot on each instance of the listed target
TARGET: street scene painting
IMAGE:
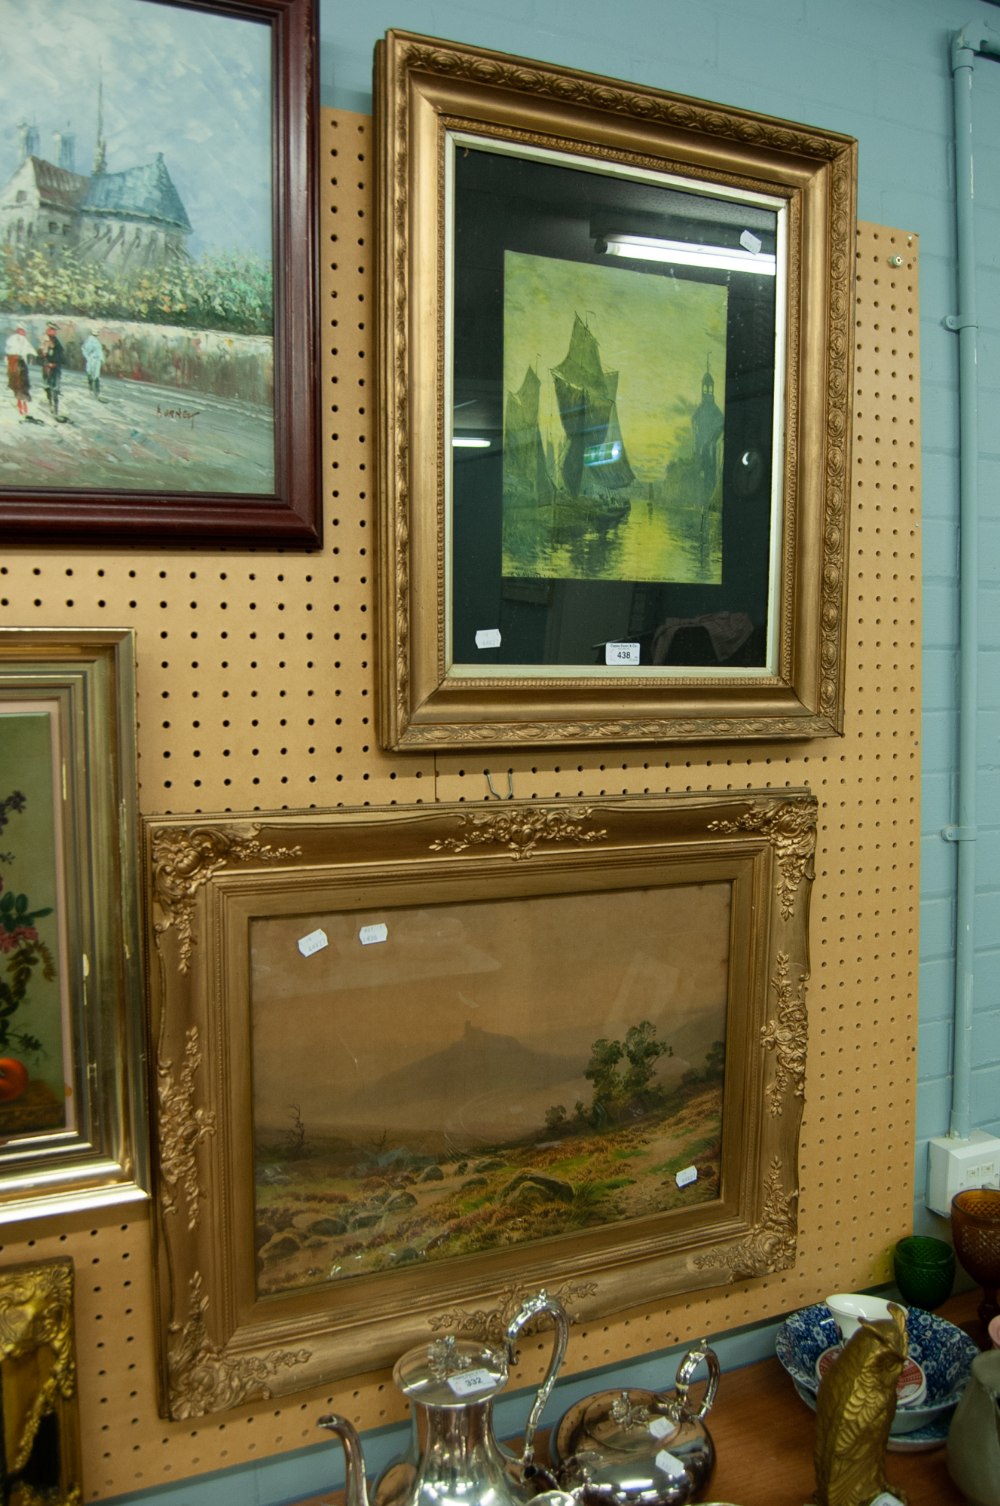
(614, 422)
(34, 1049)
(424, 1106)
(136, 295)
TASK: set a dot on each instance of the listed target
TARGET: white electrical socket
(957, 1164)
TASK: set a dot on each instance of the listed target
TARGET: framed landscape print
(157, 281)
(365, 1119)
(71, 1075)
(615, 372)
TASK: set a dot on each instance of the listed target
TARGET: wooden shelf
(764, 1438)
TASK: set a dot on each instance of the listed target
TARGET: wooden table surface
(764, 1438)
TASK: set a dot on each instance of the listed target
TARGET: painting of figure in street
(421, 1106)
(136, 295)
(614, 423)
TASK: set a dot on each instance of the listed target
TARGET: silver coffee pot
(639, 1448)
(454, 1458)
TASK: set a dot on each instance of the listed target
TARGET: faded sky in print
(194, 86)
(658, 333)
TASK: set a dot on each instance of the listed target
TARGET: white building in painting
(128, 219)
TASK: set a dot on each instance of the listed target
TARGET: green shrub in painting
(231, 292)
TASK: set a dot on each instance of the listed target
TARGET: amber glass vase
(975, 1229)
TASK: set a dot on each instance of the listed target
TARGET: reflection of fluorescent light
(727, 258)
(602, 454)
(469, 444)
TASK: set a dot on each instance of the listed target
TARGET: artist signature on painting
(188, 413)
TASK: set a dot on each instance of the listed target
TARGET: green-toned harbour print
(613, 423)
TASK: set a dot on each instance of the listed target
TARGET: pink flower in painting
(20, 944)
(11, 940)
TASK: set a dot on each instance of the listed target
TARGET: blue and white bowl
(943, 1352)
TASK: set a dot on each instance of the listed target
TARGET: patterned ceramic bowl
(943, 1352)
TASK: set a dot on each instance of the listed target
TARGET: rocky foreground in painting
(328, 1210)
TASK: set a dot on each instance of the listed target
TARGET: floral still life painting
(32, 1050)
(136, 296)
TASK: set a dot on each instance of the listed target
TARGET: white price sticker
(749, 242)
(488, 638)
(314, 942)
(621, 653)
(670, 1464)
(369, 934)
(687, 1176)
(468, 1381)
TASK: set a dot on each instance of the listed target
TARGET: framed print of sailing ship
(157, 280)
(614, 371)
(569, 499)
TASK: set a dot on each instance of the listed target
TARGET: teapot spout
(355, 1481)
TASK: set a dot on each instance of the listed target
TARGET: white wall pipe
(973, 40)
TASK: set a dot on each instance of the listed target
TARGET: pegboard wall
(256, 685)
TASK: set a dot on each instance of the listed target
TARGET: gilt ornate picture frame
(615, 372)
(363, 1119)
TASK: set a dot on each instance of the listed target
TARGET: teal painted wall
(879, 70)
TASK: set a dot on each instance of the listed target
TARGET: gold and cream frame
(354, 996)
(72, 1073)
(488, 638)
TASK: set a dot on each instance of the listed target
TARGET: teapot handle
(530, 1308)
(679, 1408)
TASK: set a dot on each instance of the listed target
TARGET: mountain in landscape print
(412, 1101)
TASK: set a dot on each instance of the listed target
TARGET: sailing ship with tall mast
(590, 485)
(526, 478)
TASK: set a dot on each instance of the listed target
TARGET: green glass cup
(925, 1270)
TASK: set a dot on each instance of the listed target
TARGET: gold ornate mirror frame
(38, 1386)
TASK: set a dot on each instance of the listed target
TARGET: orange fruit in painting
(13, 1078)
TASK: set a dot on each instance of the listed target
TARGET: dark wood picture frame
(289, 513)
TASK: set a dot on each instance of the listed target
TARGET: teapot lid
(451, 1372)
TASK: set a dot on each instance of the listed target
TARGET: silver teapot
(454, 1458)
(639, 1448)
